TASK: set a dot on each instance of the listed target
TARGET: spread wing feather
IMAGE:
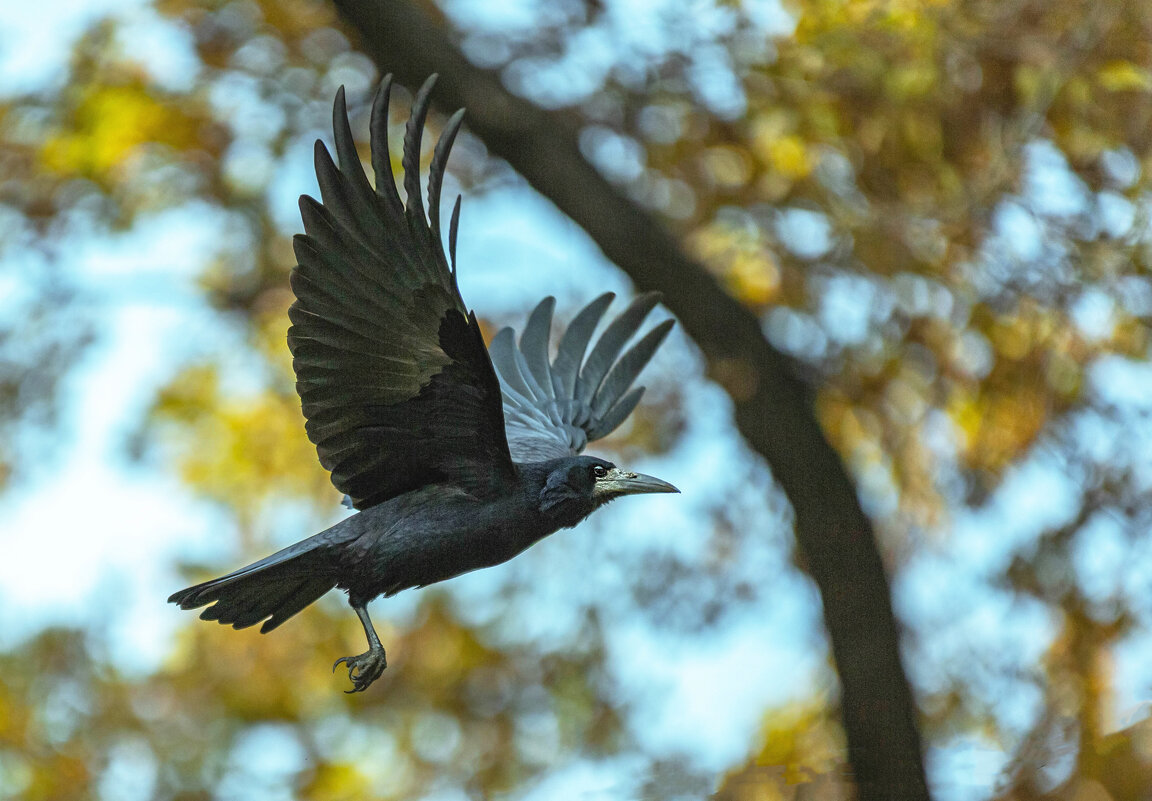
(395, 382)
(555, 408)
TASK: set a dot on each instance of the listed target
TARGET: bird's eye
(599, 471)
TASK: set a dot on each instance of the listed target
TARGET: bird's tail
(272, 590)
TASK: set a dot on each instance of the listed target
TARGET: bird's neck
(553, 511)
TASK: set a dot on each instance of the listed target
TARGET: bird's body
(434, 534)
(450, 469)
(439, 532)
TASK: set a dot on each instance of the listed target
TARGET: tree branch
(774, 410)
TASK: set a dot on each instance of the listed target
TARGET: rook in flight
(450, 468)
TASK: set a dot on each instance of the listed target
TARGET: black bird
(450, 469)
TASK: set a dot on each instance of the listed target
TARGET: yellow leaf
(754, 278)
(107, 124)
(1124, 76)
(789, 155)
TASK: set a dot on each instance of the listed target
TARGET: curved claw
(363, 669)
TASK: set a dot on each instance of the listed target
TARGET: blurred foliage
(801, 760)
(449, 710)
(941, 209)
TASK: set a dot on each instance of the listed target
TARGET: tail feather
(305, 593)
(272, 590)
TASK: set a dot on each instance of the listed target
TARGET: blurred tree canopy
(937, 209)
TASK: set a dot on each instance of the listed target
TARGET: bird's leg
(367, 667)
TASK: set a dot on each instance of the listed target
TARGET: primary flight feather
(450, 467)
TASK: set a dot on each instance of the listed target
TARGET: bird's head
(576, 486)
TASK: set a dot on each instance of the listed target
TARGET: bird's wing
(555, 408)
(395, 382)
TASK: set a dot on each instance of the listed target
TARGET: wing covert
(395, 382)
(555, 408)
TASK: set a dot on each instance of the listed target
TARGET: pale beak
(621, 482)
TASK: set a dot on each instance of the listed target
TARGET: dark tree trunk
(774, 410)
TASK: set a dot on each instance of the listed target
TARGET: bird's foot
(363, 669)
